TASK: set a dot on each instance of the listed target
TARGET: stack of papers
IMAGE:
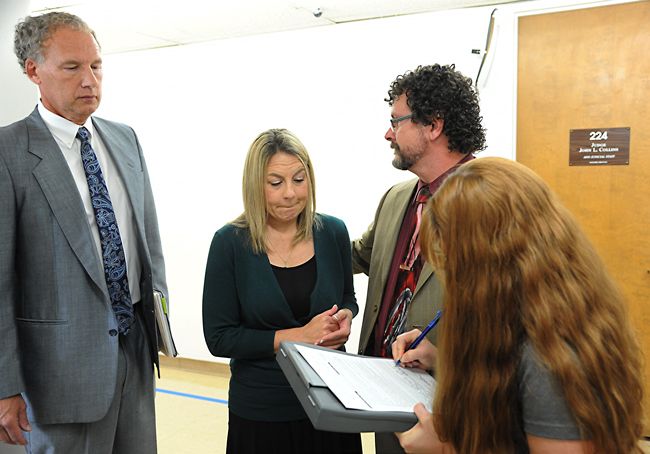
(371, 384)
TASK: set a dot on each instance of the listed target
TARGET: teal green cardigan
(243, 307)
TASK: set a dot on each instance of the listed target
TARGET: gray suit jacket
(372, 254)
(57, 328)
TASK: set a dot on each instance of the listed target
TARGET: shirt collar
(435, 184)
(61, 128)
(421, 184)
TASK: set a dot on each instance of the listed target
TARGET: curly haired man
(435, 126)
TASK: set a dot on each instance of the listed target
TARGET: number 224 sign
(599, 146)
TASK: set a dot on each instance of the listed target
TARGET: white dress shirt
(65, 132)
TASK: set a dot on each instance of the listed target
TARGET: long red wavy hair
(517, 266)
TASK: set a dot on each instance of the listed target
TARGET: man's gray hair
(33, 31)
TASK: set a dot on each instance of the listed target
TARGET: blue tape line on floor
(192, 396)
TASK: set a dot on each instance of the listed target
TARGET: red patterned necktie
(414, 245)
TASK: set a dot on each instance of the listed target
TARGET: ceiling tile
(124, 25)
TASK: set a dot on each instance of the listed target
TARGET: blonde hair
(518, 267)
(255, 213)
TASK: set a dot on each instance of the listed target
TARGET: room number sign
(599, 146)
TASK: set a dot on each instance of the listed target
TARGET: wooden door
(590, 69)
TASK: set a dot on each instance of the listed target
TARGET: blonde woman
(535, 353)
(279, 272)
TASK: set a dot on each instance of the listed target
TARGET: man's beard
(401, 161)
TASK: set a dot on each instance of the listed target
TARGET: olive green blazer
(372, 255)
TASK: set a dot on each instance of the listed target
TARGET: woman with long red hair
(535, 350)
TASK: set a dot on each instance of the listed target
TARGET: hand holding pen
(424, 356)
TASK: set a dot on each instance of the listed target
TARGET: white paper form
(366, 383)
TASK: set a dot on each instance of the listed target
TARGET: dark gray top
(545, 412)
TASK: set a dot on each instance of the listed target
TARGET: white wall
(197, 108)
(18, 95)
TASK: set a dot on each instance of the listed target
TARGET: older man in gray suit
(80, 256)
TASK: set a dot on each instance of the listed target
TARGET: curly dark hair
(441, 92)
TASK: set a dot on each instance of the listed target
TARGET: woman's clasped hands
(330, 328)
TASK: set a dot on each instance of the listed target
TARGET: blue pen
(423, 334)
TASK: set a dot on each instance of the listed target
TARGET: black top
(297, 283)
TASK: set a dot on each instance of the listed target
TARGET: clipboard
(324, 410)
(166, 341)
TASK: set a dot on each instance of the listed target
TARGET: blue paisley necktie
(111, 241)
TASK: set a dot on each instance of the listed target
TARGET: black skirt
(292, 437)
